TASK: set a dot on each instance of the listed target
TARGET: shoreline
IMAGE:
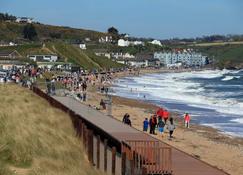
(175, 113)
(202, 142)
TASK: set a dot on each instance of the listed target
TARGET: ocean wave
(228, 78)
(238, 120)
(180, 87)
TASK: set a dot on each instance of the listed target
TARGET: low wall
(108, 153)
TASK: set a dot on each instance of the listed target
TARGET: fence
(152, 157)
(110, 154)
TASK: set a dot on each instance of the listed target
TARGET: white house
(123, 43)
(140, 62)
(106, 39)
(87, 39)
(137, 63)
(49, 58)
(136, 43)
(82, 46)
(156, 42)
(120, 55)
(24, 20)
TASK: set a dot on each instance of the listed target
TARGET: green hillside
(226, 55)
(67, 53)
(11, 31)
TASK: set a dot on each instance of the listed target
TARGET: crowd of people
(25, 76)
(159, 122)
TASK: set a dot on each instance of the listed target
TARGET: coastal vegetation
(36, 138)
(12, 31)
(225, 56)
(67, 53)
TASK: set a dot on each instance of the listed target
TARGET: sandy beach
(204, 143)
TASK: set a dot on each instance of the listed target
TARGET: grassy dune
(37, 139)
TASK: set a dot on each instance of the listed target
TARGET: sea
(212, 97)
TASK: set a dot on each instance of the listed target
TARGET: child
(161, 126)
(171, 127)
(145, 125)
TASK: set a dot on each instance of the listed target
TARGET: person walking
(187, 119)
(166, 115)
(145, 125)
(171, 127)
(161, 126)
(150, 125)
(153, 123)
(126, 119)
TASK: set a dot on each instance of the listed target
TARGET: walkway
(182, 163)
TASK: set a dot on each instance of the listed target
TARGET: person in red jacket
(160, 113)
(166, 115)
(187, 119)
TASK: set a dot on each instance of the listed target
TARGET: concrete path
(182, 163)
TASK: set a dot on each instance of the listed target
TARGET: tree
(6, 16)
(29, 32)
(113, 31)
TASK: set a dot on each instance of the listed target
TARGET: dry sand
(205, 143)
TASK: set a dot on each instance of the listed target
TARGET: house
(82, 46)
(152, 63)
(106, 39)
(87, 39)
(10, 54)
(120, 55)
(186, 57)
(126, 43)
(24, 20)
(102, 52)
(156, 42)
(144, 56)
(49, 58)
(136, 43)
(123, 43)
(138, 63)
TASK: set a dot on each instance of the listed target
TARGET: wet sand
(205, 143)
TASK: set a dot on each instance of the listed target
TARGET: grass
(226, 56)
(37, 139)
(67, 52)
(86, 59)
(12, 31)
(217, 43)
(72, 54)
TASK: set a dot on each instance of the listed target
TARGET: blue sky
(143, 18)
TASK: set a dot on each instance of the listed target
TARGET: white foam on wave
(238, 120)
(179, 88)
(227, 78)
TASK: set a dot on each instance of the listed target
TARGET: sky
(160, 19)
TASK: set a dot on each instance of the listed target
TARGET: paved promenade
(182, 164)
